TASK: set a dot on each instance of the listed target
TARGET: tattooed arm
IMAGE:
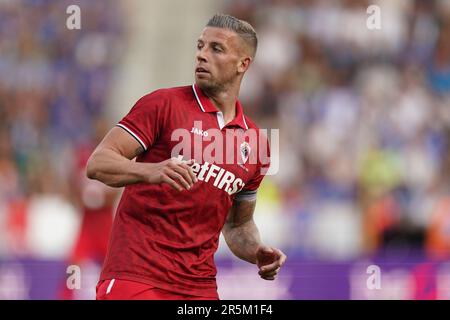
(243, 239)
(241, 232)
(111, 163)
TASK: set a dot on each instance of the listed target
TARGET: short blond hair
(241, 27)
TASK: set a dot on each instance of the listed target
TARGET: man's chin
(203, 83)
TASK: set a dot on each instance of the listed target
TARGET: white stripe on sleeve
(133, 134)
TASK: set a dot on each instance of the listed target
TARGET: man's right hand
(176, 173)
(111, 163)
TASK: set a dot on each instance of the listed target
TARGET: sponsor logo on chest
(220, 177)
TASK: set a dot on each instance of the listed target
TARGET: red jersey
(168, 238)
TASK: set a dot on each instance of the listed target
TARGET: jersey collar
(206, 105)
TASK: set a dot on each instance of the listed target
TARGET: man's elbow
(227, 229)
(91, 168)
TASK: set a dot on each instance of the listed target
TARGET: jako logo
(250, 146)
(199, 132)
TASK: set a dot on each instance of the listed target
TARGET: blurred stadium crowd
(364, 123)
(53, 86)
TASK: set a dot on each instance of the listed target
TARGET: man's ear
(244, 64)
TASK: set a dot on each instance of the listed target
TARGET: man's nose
(201, 55)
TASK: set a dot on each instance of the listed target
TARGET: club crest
(245, 151)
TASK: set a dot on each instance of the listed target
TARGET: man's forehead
(217, 34)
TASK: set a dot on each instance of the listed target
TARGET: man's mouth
(201, 70)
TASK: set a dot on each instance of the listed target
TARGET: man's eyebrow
(215, 43)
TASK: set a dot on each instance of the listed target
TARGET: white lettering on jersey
(223, 179)
(199, 132)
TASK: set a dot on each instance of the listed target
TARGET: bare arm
(240, 231)
(111, 163)
(243, 239)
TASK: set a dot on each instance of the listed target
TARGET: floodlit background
(364, 120)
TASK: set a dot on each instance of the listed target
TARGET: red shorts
(119, 289)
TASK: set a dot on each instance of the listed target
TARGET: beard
(208, 85)
(212, 86)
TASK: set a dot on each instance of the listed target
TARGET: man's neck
(225, 101)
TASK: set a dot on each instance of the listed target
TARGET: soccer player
(174, 206)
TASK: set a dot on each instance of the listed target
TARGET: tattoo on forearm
(241, 233)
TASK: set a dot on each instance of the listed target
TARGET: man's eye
(217, 49)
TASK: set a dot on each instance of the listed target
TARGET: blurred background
(364, 120)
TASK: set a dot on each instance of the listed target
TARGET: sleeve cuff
(133, 134)
(246, 195)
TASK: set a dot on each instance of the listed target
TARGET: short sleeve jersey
(167, 238)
